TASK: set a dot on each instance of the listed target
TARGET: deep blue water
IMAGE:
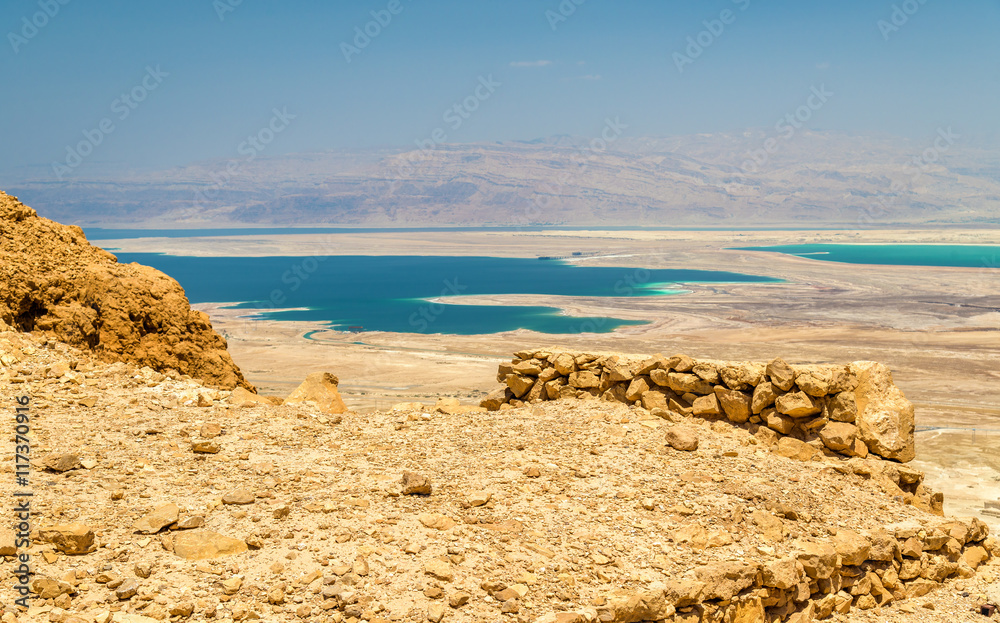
(968, 256)
(390, 293)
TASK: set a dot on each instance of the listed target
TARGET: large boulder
(884, 415)
(72, 538)
(57, 283)
(320, 388)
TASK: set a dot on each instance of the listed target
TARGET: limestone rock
(818, 559)
(794, 449)
(682, 438)
(320, 388)
(763, 397)
(72, 538)
(157, 520)
(530, 367)
(49, 588)
(781, 374)
(838, 436)
(734, 403)
(57, 282)
(797, 405)
(416, 484)
(680, 363)
(479, 498)
(739, 376)
(205, 544)
(706, 405)
(771, 527)
(495, 398)
(62, 462)
(210, 430)
(633, 608)
(565, 364)
(684, 593)
(439, 569)
(814, 381)
(654, 399)
(842, 407)
(205, 447)
(726, 579)
(636, 389)
(852, 547)
(748, 611)
(238, 497)
(780, 423)
(8, 542)
(242, 397)
(782, 574)
(707, 371)
(584, 379)
(619, 373)
(688, 383)
(885, 417)
(520, 384)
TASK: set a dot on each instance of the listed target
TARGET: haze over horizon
(134, 86)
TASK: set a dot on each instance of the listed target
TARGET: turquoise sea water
(969, 256)
(398, 293)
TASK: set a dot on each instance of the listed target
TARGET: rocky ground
(156, 498)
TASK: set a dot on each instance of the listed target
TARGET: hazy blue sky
(228, 67)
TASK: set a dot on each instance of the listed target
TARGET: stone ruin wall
(818, 579)
(852, 410)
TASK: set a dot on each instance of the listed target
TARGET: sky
(160, 84)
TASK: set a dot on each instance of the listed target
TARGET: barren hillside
(158, 498)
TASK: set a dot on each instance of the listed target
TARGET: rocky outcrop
(851, 410)
(55, 282)
(319, 388)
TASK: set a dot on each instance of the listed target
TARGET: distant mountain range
(750, 179)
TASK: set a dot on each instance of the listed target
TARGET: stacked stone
(852, 409)
(816, 580)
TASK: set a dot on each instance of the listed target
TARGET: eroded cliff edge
(53, 281)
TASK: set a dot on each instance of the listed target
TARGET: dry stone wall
(818, 579)
(852, 409)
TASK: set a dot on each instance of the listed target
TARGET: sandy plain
(937, 328)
